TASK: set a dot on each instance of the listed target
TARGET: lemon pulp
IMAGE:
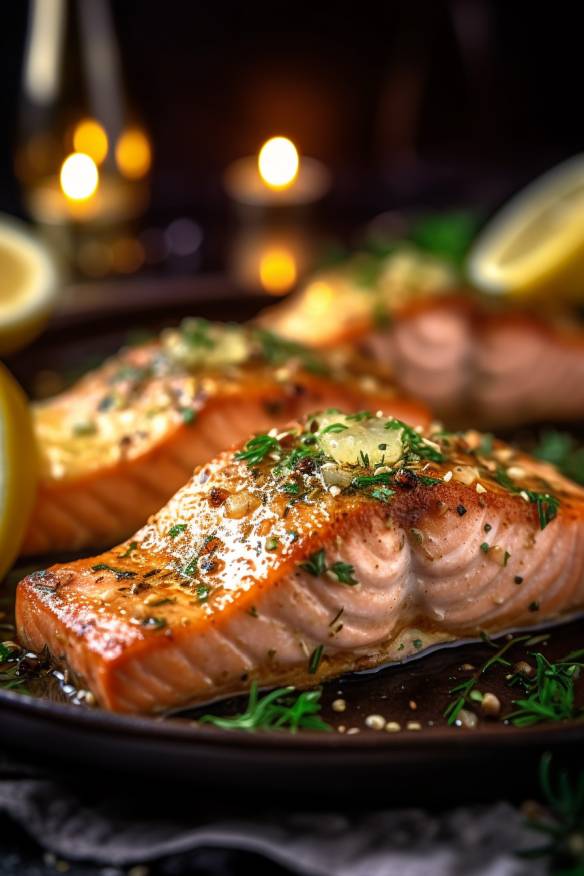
(28, 285)
(18, 468)
(535, 245)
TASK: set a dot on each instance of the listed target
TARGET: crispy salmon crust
(258, 569)
(115, 447)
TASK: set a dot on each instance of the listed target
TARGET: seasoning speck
(375, 722)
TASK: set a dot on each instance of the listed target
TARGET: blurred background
(441, 103)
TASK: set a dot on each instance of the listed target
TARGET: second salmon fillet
(117, 445)
(339, 543)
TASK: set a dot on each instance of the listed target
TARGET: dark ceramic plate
(424, 760)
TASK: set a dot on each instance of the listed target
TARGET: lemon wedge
(534, 246)
(18, 468)
(28, 285)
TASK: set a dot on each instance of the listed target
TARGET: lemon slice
(535, 245)
(28, 285)
(18, 468)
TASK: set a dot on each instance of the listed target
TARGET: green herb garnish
(546, 504)
(315, 658)
(131, 548)
(119, 573)
(257, 448)
(188, 415)
(550, 694)
(464, 690)
(333, 427)
(276, 710)
(344, 573)
(563, 823)
(316, 565)
(414, 443)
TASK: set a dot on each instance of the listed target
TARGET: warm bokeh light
(277, 270)
(278, 162)
(79, 176)
(133, 153)
(89, 137)
(318, 298)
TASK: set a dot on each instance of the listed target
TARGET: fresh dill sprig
(550, 694)
(464, 691)
(562, 823)
(414, 443)
(277, 710)
(257, 448)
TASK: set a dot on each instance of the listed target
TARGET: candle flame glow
(277, 270)
(133, 153)
(278, 162)
(89, 137)
(79, 176)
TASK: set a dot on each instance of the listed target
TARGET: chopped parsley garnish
(191, 567)
(277, 710)
(291, 487)
(176, 529)
(272, 543)
(316, 565)
(343, 572)
(485, 547)
(382, 494)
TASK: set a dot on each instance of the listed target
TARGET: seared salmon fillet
(470, 359)
(115, 447)
(340, 543)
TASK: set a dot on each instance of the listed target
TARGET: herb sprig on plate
(277, 710)
(550, 694)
